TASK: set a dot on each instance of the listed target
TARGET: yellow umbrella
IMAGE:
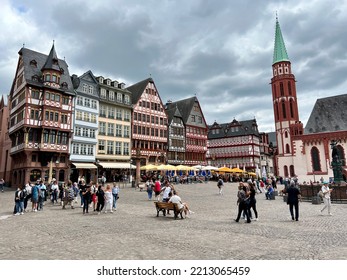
(237, 170)
(166, 167)
(252, 174)
(183, 167)
(149, 167)
(224, 169)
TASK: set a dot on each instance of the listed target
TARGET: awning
(84, 165)
(117, 165)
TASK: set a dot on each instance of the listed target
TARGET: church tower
(284, 98)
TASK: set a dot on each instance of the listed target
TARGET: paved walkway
(134, 231)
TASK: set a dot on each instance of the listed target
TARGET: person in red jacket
(157, 189)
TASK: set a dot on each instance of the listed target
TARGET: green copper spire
(280, 52)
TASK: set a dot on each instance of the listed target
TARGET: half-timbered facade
(85, 126)
(196, 130)
(40, 122)
(149, 134)
(5, 142)
(234, 144)
(114, 135)
(176, 147)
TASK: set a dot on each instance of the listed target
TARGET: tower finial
(23, 45)
(53, 42)
(276, 16)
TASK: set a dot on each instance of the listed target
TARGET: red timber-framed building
(149, 125)
(196, 130)
(40, 121)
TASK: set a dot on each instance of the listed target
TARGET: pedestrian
(69, 195)
(108, 199)
(149, 186)
(82, 186)
(42, 193)
(115, 194)
(2, 184)
(181, 205)
(252, 200)
(293, 200)
(326, 198)
(100, 198)
(54, 192)
(19, 201)
(242, 197)
(87, 198)
(35, 196)
(28, 188)
(157, 189)
(93, 190)
(220, 185)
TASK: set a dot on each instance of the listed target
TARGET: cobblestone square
(134, 232)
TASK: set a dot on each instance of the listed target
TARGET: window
(45, 136)
(110, 112)
(287, 149)
(111, 96)
(78, 131)
(54, 78)
(284, 110)
(84, 88)
(102, 128)
(291, 171)
(52, 137)
(80, 100)
(47, 77)
(93, 118)
(83, 149)
(110, 129)
(87, 102)
(291, 109)
(315, 159)
(119, 130)
(35, 94)
(64, 138)
(118, 148)
(90, 150)
(94, 104)
(119, 113)
(103, 93)
(101, 145)
(102, 111)
(110, 147)
(66, 100)
(78, 115)
(126, 131)
(119, 97)
(281, 89)
(127, 116)
(75, 149)
(125, 148)
(192, 118)
(90, 89)
(64, 118)
(126, 99)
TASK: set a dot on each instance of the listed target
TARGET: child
(108, 199)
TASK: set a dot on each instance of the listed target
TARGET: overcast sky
(221, 51)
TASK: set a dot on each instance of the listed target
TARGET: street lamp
(97, 171)
(130, 176)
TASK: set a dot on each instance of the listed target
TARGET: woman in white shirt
(326, 198)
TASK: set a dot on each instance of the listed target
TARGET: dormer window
(47, 78)
(35, 78)
(64, 85)
(54, 78)
(61, 70)
(33, 63)
(55, 61)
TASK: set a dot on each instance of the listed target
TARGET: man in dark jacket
(293, 200)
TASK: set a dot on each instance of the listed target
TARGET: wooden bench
(164, 206)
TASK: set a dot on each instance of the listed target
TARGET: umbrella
(209, 167)
(166, 167)
(198, 166)
(149, 167)
(252, 173)
(225, 169)
(183, 167)
(237, 170)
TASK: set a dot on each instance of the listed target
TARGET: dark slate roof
(52, 61)
(244, 128)
(173, 112)
(30, 71)
(329, 114)
(185, 106)
(138, 89)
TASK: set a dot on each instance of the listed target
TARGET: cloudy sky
(221, 51)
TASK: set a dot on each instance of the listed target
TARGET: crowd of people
(99, 197)
(103, 197)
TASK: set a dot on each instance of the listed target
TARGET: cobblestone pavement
(134, 231)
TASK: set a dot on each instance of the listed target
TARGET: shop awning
(117, 165)
(84, 165)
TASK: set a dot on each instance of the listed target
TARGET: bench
(163, 206)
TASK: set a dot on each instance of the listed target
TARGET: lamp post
(130, 176)
(97, 171)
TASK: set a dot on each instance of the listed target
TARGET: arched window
(291, 108)
(287, 149)
(289, 89)
(286, 134)
(281, 89)
(292, 171)
(315, 159)
(285, 169)
(284, 110)
(275, 91)
(277, 111)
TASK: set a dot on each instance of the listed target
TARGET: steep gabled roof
(185, 106)
(52, 61)
(329, 114)
(138, 89)
(30, 70)
(248, 127)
